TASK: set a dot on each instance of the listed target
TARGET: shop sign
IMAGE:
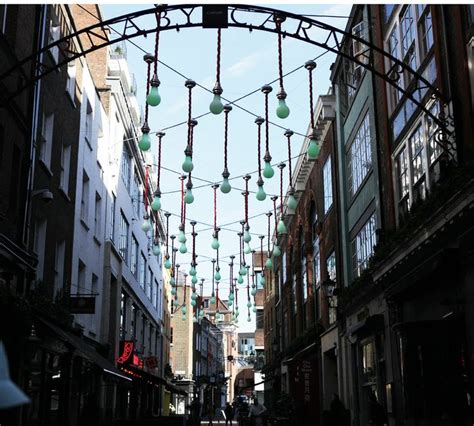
(82, 304)
(127, 355)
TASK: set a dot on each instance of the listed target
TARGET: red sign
(126, 352)
(151, 362)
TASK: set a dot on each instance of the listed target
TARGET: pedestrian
(210, 413)
(257, 413)
(195, 409)
(229, 414)
(376, 411)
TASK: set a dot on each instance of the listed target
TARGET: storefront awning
(300, 353)
(144, 375)
(84, 349)
(175, 389)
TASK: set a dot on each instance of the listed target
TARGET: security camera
(47, 197)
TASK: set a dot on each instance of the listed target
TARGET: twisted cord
(215, 208)
(259, 151)
(268, 234)
(246, 201)
(218, 60)
(280, 64)
(226, 122)
(290, 175)
(281, 191)
(147, 89)
(190, 96)
(267, 143)
(182, 199)
(157, 41)
(159, 162)
(146, 189)
(275, 211)
(311, 98)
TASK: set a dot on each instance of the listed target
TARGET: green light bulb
(146, 225)
(183, 318)
(156, 250)
(253, 292)
(291, 203)
(183, 310)
(313, 149)
(262, 281)
(247, 249)
(193, 302)
(156, 204)
(225, 186)
(276, 251)
(282, 110)
(173, 291)
(215, 244)
(217, 276)
(192, 271)
(183, 249)
(145, 142)
(167, 264)
(194, 280)
(269, 263)
(175, 302)
(216, 106)
(261, 193)
(182, 237)
(189, 197)
(247, 237)
(188, 165)
(153, 98)
(243, 271)
(231, 297)
(249, 319)
(249, 304)
(213, 300)
(281, 228)
(254, 309)
(230, 303)
(172, 281)
(268, 171)
(240, 280)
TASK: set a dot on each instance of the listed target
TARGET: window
(149, 284)
(359, 159)
(39, 245)
(126, 166)
(95, 284)
(123, 242)
(259, 318)
(142, 271)
(331, 270)
(113, 201)
(368, 364)
(134, 257)
(59, 267)
(54, 35)
(136, 193)
(85, 197)
(133, 327)
(407, 26)
(81, 277)
(425, 29)
(317, 282)
(327, 181)
(64, 168)
(417, 162)
(123, 311)
(363, 246)
(46, 140)
(71, 81)
(393, 46)
(97, 218)
(304, 279)
(154, 296)
(88, 125)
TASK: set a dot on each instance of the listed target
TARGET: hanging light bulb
(194, 296)
(254, 291)
(282, 110)
(313, 148)
(237, 313)
(230, 303)
(184, 310)
(182, 235)
(276, 251)
(240, 280)
(154, 98)
(156, 203)
(189, 197)
(213, 299)
(291, 203)
(281, 228)
(269, 263)
(193, 302)
(173, 291)
(247, 249)
(262, 281)
(243, 270)
(192, 271)
(217, 275)
(156, 247)
(247, 236)
(268, 171)
(167, 263)
(216, 106)
(215, 242)
(249, 319)
(260, 192)
(145, 140)
(146, 225)
(175, 302)
(231, 297)
(172, 281)
(249, 304)
(188, 165)
(183, 249)
(184, 317)
(225, 186)
(254, 309)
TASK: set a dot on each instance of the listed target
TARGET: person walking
(257, 413)
(229, 414)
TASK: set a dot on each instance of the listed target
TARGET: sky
(249, 60)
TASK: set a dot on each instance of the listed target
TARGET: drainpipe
(41, 31)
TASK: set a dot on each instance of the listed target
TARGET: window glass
(359, 156)
(327, 182)
(363, 246)
(123, 242)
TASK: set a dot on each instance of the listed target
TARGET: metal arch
(97, 36)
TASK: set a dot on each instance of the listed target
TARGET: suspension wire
(182, 177)
(246, 195)
(218, 59)
(214, 187)
(309, 67)
(227, 109)
(267, 138)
